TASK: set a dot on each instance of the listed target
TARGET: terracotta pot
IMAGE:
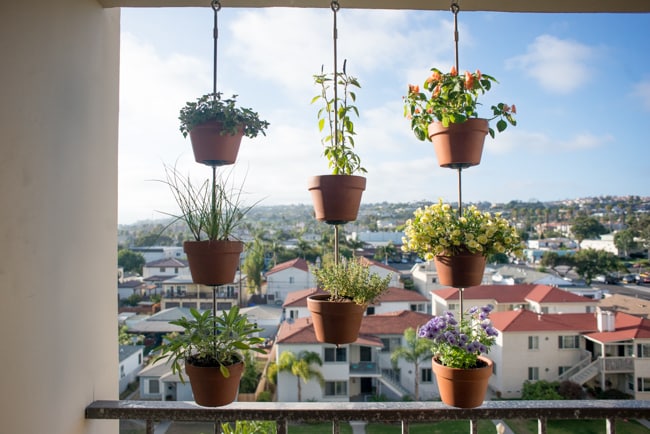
(213, 262)
(460, 271)
(335, 322)
(212, 148)
(210, 387)
(459, 145)
(336, 198)
(463, 388)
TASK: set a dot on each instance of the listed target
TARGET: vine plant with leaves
(336, 114)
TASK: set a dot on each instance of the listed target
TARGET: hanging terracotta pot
(335, 322)
(460, 271)
(463, 388)
(213, 262)
(210, 388)
(459, 145)
(211, 147)
(336, 198)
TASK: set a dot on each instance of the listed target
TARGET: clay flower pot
(335, 322)
(460, 271)
(336, 198)
(213, 262)
(459, 145)
(211, 147)
(463, 388)
(210, 387)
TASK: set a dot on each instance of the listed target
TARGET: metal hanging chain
(216, 7)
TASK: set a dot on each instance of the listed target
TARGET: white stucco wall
(58, 171)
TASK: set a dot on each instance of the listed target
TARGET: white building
(286, 277)
(131, 360)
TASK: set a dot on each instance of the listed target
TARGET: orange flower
(478, 75)
(413, 88)
(453, 71)
(436, 91)
(469, 80)
(417, 110)
(514, 109)
(435, 76)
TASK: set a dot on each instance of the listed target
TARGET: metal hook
(335, 5)
(455, 8)
(216, 5)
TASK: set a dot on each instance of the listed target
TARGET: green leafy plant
(339, 141)
(212, 210)
(210, 341)
(212, 107)
(351, 280)
(438, 230)
(452, 98)
(457, 344)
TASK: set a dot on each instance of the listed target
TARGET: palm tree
(301, 367)
(415, 351)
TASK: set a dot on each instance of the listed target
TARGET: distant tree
(641, 227)
(126, 338)
(250, 377)
(590, 262)
(253, 266)
(408, 283)
(131, 261)
(624, 241)
(584, 228)
(553, 259)
(415, 351)
(301, 366)
(153, 239)
(570, 390)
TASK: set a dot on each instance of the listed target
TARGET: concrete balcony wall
(58, 219)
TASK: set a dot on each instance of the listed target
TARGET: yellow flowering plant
(451, 99)
(438, 230)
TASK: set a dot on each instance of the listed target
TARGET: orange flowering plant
(452, 98)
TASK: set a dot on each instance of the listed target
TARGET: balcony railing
(406, 413)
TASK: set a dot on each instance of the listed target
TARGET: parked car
(628, 278)
(643, 278)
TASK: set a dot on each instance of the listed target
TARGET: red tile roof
(526, 320)
(299, 298)
(393, 323)
(298, 263)
(515, 294)
(393, 294)
(371, 262)
(627, 327)
(301, 331)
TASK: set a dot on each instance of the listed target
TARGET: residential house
(157, 382)
(155, 253)
(383, 270)
(354, 371)
(536, 298)
(600, 350)
(286, 277)
(156, 272)
(624, 303)
(131, 361)
(181, 291)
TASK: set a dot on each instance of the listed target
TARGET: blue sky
(581, 84)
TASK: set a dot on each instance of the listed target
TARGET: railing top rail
(368, 411)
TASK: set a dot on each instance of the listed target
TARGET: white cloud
(642, 93)
(560, 66)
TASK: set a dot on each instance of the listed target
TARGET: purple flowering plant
(457, 344)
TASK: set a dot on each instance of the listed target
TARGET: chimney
(605, 320)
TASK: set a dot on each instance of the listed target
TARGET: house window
(291, 280)
(336, 388)
(426, 375)
(154, 386)
(452, 307)
(335, 355)
(545, 310)
(162, 269)
(370, 310)
(533, 342)
(390, 344)
(565, 342)
(433, 279)
(643, 350)
(562, 369)
(176, 270)
(417, 308)
(293, 314)
(122, 374)
(533, 373)
(139, 358)
(643, 384)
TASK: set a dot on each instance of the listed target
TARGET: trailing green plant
(339, 141)
(351, 280)
(248, 427)
(452, 98)
(212, 107)
(210, 341)
(211, 210)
